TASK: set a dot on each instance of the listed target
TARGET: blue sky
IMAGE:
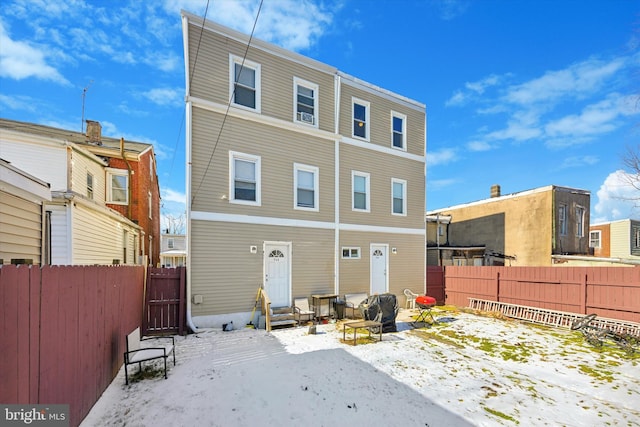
(518, 93)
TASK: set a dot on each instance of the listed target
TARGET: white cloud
(584, 78)
(23, 103)
(20, 60)
(450, 9)
(617, 198)
(473, 89)
(441, 157)
(169, 195)
(479, 146)
(439, 184)
(165, 96)
(578, 161)
(292, 24)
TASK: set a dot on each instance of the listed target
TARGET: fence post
(497, 297)
(583, 295)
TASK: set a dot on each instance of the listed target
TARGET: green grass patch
(500, 415)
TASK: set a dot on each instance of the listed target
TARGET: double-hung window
(580, 221)
(117, 186)
(594, 239)
(244, 78)
(244, 178)
(360, 119)
(398, 131)
(305, 102)
(305, 183)
(398, 196)
(360, 191)
(89, 186)
(562, 219)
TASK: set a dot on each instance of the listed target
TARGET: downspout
(187, 143)
(336, 250)
(129, 180)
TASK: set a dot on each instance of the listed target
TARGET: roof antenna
(84, 95)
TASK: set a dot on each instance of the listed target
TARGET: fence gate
(165, 301)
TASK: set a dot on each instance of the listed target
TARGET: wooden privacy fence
(435, 283)
(612, 292)
(165, 303)
(62, 332)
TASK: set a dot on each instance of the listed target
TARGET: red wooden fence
(62, 332)
(612, 292)
(165, 304)
(435, 283)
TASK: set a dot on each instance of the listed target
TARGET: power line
(226, 114)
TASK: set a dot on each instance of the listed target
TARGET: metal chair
(301, 309)
(410, 302)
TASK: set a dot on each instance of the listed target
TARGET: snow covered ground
(465, 370)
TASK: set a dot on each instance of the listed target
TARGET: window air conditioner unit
(305, 117)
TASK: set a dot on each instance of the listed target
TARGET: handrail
(266, 309)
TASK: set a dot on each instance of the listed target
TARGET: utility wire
(226, 114)
(195, 61)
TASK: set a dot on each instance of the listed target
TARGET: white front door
(277, 271)
(379, 267)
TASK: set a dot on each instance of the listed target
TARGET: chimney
(94, 132)
(495, 191)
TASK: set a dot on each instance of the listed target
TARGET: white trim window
(305, 102)
(398, 131)
(580, 221)
(244, 178)
(562, 219)
(170, 243)
(305, 187)
(398, 197)
(117, 186)
(244, 83)
(360, 191)
(349, 252)
(360, 114)
(594, 239)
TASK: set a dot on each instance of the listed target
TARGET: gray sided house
(300, 179)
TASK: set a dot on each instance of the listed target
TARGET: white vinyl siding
(244, 83)
(306, 187)
(244, 178)
(90, 247)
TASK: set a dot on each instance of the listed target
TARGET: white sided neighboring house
(78, 227)
(173, 250)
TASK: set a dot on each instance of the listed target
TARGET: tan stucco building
(518, 229)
